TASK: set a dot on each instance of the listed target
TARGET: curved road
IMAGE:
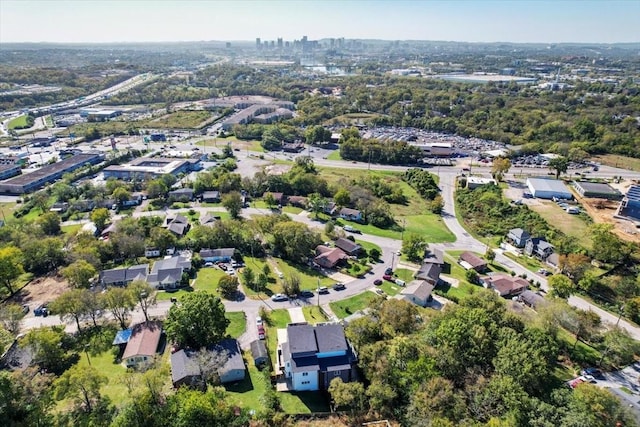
(464, 241)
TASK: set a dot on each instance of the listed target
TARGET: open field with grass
(206, 280)
(19, 122)
(335, 155)
(276, 319)
(71, 229)
(574, 226)
(414, 216)
(238, 323)
(247, 393)
(531, 264)
(348, 306)
(303, 402)
(390, 288)
(250, 145)
(309, 278)
(180, 120)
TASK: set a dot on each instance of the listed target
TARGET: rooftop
(144, 340)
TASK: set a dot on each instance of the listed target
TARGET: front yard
(348, 306)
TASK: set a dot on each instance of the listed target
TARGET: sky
(89, 21)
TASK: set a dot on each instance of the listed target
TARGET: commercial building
(30, 182)
(475, 182)
(486, 78)
(597, 190)
(548, 188)
(145, 168)
(260, 113)
(9, 170)
(630, 205)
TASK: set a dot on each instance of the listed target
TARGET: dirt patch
(42, 290)
(602, 211)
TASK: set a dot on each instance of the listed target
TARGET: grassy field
(71, 229)
(351, 305)
(572, 225)
(277, 319)
(313, 314)
(251, 145)
(367, 246)
(18, 122)
(248, 392)
(309, 278)
(180, 120)
(617, 161)
(414, 215)
(238, 323)
(404, 274)
(292, 210)
(335, 155)
(531, 264)
(206, 280)
(304, 402)
(390, 288)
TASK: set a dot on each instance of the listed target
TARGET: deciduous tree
(11, 259)
(232, 203)
(228, 285)
(100, 217)
(79, 273)
(144, 295)
(81, 384)
(119, 302)
(201, 309)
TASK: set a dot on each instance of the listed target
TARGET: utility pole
(318, 292)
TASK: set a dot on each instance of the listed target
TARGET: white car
(279, 298)
(258, 321)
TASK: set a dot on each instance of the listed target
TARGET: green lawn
(18, 122)
(238, 323)
(313, 314)
(277, 319)
(404, 274)
(351, 305)
(309, 278)
(304, 402)
(335, 155)
(574, 226)
(180, 120)
(367, 246)
(531, 264)
(294, 210)
(251, 145)
(207, 279)
(390, 288)
(71, 229)
(248, 392)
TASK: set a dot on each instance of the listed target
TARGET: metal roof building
(548, 188)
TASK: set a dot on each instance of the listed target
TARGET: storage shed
(548, 188)
(259, 353)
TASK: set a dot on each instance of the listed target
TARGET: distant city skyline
(109, 21)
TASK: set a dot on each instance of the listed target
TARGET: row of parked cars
(587, 375)
(308, 294)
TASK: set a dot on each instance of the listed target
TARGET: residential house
(418, 292)
(471, 261)
(279, 198)
(167, 273)
(135, 200)
(123, 276)
(108, 230)
(211, 196)
(532, 299)
(217, 255)
(298, 201)
(142, 345)
(518, 237)
(330, 208)
(431, 267)
(83, 205)
(433, 257)
(185, 370)
(234, 369)
(505, 285)
(351, 214)
(152, 252)
(208, 219)
(314, 355)
(349, 247)
(327, 257)
(178, 225)
(539, 248)
(259, 353)
(181, 195)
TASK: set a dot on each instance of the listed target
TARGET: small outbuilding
(548, 188)
(597, 190)
(259, 353)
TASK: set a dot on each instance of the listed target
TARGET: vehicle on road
(41, 310)
(398, 253)
(377, 282)
(306, 294)
(389, 278)
(261, 333)
(544, 272)
(350, 229)
(279, 298)
(258, 321)
(594, 372)
(389, 271)
(323, 290)
(339, 287)
(25, 308)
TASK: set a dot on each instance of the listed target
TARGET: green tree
(119, 302)
(561, 286)
(316, 203)
(144, 295)
(41, 201)
(590, 405)
(269, 200)
(100, 217)
(10, 317)
(26, 397)
(347, 395)
(262, 282)
(81, 384)
(197, 308)
(559, 165)
(500, 167)
(161, 238)
(472, 276)
(121, 195)
(291, 284)
(437, 205)
(43, 255)
(228, 285)
(70, 305)
(374, 253)
(47, 345)
(156, 188)
(620, 347)
(342, 197)
(248, 277)
(295, 241)
(232, 202)
(437, 398)
(414, 246)
(11, 259)
(49, 223)
(79, 273)
(607, 247)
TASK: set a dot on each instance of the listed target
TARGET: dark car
(306, 294)
(377, 282)
(388, 277)
(594, 372)
(339, 287)
(388, 271)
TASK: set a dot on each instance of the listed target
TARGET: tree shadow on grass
(243, 386)
(315, 401)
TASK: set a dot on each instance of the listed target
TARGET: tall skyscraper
(258, 43)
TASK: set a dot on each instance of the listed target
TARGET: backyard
(348, 306)
(574, 226)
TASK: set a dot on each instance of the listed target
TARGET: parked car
(389, 278)
(323, 290)
(594, 372)
(400, 282)
(279, 298)
(25, 308)
(41, 310)
(261, 333)
(258, 321)
(339, 287)
(377, 282)
(306, 294)
(543, 271)
(380, 292)
(350, 229)
(527, 195)
(208, 264)
(389, 271)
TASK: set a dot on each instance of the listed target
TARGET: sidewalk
(330, 314)
(296, 314)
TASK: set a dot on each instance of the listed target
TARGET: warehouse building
(630, 206)
(548, 188)
(597, 190)
(30, 182)
(9, 170)
(151, 167)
